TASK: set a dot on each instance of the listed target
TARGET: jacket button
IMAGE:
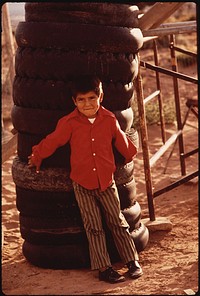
(94, 169)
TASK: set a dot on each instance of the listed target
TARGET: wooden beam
(164, 148)
(9, 146)
(9, 40)
(157, 14)
(189, 27)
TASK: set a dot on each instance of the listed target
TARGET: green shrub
(152, 112)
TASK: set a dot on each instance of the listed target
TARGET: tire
(87, 37)
(133, 215)
(102, 13)
(117, 96)
(127, 194)
(46, 204)
(100, 8)
(57, 257)
(42, 94)
(59, 159)
(49, 179)
(56, 95)
(68, 224)
(57, 179)
(54, 237)
(63, 65)
(43, 122)
(125, 118)
(133, 136)
(140, 237)
(35, 121)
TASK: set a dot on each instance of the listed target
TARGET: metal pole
(169, 72)
(144, 141)
(162, 122)
(177, 105)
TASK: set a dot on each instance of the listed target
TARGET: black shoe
(111, 276)
(134, 269)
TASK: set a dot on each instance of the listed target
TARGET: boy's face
(88, 103)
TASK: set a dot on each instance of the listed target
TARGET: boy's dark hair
(85, 83)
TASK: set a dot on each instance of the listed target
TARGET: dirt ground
(170, 260)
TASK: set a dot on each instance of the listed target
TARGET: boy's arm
(59, 137)
(124, 144)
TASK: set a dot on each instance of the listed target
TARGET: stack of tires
(57, 41)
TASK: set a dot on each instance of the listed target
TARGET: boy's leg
(91, 216)
(117, 224)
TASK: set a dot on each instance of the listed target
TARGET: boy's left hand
(32, 162)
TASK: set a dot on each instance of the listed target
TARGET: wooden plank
(151, 96)
(157, 14)
(178, 24)
(160, 31)
(189, 292)
(164, 148)
(9, 40)
(149, 38)
(9, 146)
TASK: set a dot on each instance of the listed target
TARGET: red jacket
(92, 159)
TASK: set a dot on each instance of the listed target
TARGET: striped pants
(109, 199)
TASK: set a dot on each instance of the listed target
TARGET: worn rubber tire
(57, 179)
(56, 95)
(42, 94)
(56, 237)
(140, 237)
(57, 257)
(127, 193)
(35, 121)
(132, 215)
(109, 14)
(133, 136)
(49, 179)
(69, 223)
(36, 203)
(117, 96)
(43, 122)
(101, 8)
(57, 64)
(125, 118)
(86, 37)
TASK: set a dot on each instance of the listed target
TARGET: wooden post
(7, 31)
(144, 141)
(9, 141)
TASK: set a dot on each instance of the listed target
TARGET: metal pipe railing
(177, 104)
(160, 102)
(177, 136)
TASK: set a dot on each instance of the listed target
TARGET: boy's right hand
(33, 162)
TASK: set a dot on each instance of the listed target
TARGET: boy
(91, 130)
